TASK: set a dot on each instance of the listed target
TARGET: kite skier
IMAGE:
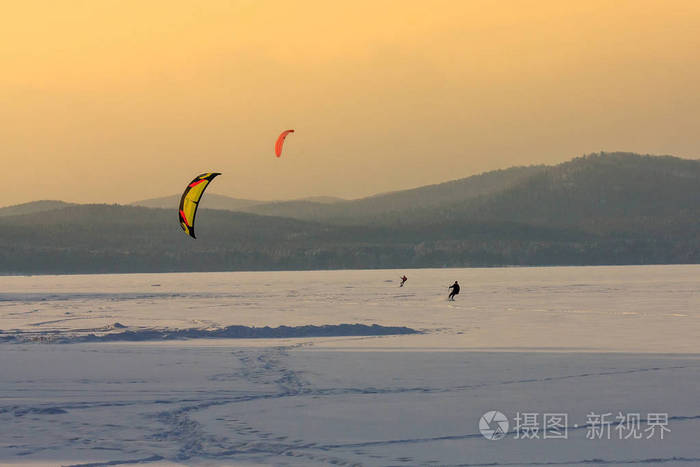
(455, 291)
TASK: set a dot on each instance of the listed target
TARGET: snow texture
(541, 340)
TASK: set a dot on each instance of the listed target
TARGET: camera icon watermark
(493, 425)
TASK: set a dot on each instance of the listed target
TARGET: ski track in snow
(265, 369)
(294, 403)
(174, 433)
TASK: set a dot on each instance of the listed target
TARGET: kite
(280, 141)
(190, 200)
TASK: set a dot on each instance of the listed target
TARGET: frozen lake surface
(580, 341)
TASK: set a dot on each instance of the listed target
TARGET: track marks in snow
(268, 369)
(264, 368)
(180, 429)
(580, 375)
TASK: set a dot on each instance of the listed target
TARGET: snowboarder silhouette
(455, 291)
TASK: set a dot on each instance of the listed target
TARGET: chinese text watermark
(494, 425)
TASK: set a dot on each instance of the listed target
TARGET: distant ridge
(210, 201)
(323, 199)
(596, 190)
(398, 204)
(33, 207)
(217, 201)
(606, 208)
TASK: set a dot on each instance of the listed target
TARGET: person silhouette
(455, 291)
(403, 280)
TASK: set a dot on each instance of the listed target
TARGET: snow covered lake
(600, 347)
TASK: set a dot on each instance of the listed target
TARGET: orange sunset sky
(117, 101)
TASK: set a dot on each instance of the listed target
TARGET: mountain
(595, 192)
(210, 201)
(323, 199)
(216, 201)
(612, 208)
(113, 238)
(399, 204)
(32, 207)
(377, 208)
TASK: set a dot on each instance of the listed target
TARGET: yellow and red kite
(190, 200)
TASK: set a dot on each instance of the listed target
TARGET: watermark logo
(493, 425)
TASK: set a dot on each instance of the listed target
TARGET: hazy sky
(115, 101)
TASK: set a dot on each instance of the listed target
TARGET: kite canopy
(280, 141)
(190, 200)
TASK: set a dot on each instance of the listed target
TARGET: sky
(114, 101)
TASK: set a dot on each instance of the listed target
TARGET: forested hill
(376, 208)
(600, 209)
(600, 187)
(33, 207)
(364, 210)
(609, 188)
(212, 201)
